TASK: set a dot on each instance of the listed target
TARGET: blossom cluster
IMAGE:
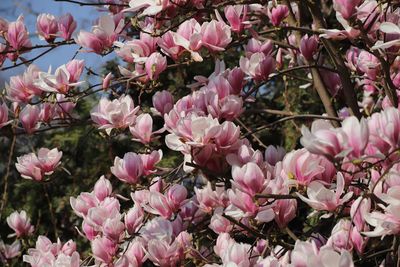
(330, 198)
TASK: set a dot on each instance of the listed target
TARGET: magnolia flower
(10, 251)
(308, 46)
(103, 35)
(150, 7)
(323, 139)
(388, 221)
(278, 14)
(129, 169)
(66, 26)
(4, 115)
(215, 35)
(65, 77)
(29, 118)
(22, 88)
(321, 198)
(249, 178)
(47, 27)
(163, 102)
(35, 167)
(346, 8)
(155, 64)
(117, 114)
(142, 131)
(306, 253)
(236, 16)
(17, 36)
(258, 66)
(20, 223)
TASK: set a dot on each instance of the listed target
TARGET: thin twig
(8, 169)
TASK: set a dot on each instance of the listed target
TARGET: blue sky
(84, 15)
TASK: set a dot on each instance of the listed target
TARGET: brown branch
(28, 61)
(317, 79)
(347, 84)
(7, 174)
(91, 4)
(294, 117)
(276, 196)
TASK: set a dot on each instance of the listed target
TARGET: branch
(317, 79)
(91, 4)
(294, 117)
(7, 174)
(348, 86)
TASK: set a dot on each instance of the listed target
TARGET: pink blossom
(155, 64)
(35, 167)
(159, 205)
(383, 129)
(339, 239)
(305, 167)
(215, 35)
(357, 133)
(163, 102)
(47, 27)
(347, 8)
(150, 160)
(249, 178)
(49, 159)
(102, 188)
(83, 203)
(10, 251)
(256, 46)
(321, 198)
(388, 221)
(323, 139)
(274, 154)
(66, 26)
(3, 25)
(176, 196)
(278, 14)
(150, 7)
(29, 118)
(236, 16)
(118, 113)
(236, 254)
(106, 81)
(22, 88)
(308, 46)
(134, 219)
(17, 37)
(20, 223)
(103, 35)
(360, 207)
(74, 70)
(209, 199)
(133, 51)
(47, 112)
(220, 224)
(47, 253)
(64, 78)
(129, 169)
(306, 253)
(103, 249)
(369, 64)
(243, 155)
(170, 46)
(285, 211)
(258, 66)
(113, 229)
(4, 115)
(142, 131)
